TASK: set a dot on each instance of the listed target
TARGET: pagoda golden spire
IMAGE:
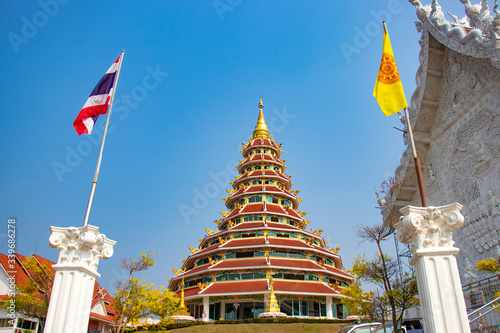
(272, 303)
(182, 310)
(261, 130)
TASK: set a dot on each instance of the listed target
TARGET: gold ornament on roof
(261, 130)
(209, 232)
(202, 285)
(178, 271)
(224, 214)
(193, 249)
(221, 240)
(212, 261)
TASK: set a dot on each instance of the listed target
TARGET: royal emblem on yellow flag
(388, 89)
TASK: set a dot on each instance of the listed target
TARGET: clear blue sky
(187, 98)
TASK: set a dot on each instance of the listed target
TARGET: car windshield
(385, 329)
(345, 329)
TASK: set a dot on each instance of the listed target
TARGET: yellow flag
(388, 89)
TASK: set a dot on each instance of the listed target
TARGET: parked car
(409, 325)
(359, 328)
(413, 325)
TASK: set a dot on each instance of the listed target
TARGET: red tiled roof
(240, 263)
(275, 208)
(196, 269)
(207, 249)
(253, 207)
(303, 287)
(189, 292)
(244, 242)
(282, 225)
(23, 277)
(234, 212)
(18, 271)
(45, 261)
(230, 287)
(108, 318)
(294, 214)
(289, 242)
(246, 225)
(295, 263)
(338, 271)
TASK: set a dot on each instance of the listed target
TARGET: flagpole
(418, 168)
(94, 183)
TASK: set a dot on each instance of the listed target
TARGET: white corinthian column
(429, 232)
(76, 271)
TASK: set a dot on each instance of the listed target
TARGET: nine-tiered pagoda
(262, 246)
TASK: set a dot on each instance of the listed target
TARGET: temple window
(257, 150)
(256, 182)
(310, 277)
(286, 202)
(276, 168)
(249, 169)
(269, 182)
(266, 151)
(257, 167)
(283, 235)
(247, 236)
(250, 218)
(241, 202)
(230, 255)
(283, 254)
(274, 219)
(248, 254)
(231, 207)
(267, 167)
(272, 152)
(255, 198)
(272, 199)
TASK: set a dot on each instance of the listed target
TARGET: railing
(481, 292)
(484, 308)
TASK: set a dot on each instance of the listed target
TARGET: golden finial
(261, 130)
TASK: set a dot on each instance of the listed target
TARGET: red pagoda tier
(262, 235)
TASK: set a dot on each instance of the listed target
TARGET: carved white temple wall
(455, 113)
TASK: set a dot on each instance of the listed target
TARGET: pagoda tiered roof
(262, 235)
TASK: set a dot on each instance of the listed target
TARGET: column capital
(80, 247)
(429, 228)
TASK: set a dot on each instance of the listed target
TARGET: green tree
(33, 296)
(163, 303)
(489, 266)
(395, 292)
(128, 299)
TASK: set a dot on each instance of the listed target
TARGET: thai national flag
(98, 101)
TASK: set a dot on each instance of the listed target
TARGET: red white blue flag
(98, 101)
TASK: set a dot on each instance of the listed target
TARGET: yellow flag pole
(94, 183)
(396, 101)
(418, 168)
